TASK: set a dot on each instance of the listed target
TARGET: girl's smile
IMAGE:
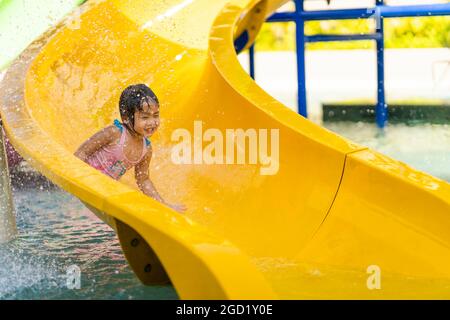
(149, 132)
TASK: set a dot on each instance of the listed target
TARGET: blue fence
(379, 13)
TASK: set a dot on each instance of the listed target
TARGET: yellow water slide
(331, 219)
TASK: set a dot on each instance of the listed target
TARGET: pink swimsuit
(111, 159)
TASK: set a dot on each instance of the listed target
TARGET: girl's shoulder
(112, 134)
(114, 131)
(104, 137)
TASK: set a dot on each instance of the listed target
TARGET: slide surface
(329, 219)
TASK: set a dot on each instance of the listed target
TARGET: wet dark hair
(132, 99)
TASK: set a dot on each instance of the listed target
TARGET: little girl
(119, 147)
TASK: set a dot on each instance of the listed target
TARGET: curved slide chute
(324, 218)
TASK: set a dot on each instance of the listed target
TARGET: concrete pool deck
(336, 75)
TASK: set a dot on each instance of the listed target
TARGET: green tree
(417, 32)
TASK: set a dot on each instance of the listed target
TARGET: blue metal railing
(379, 12)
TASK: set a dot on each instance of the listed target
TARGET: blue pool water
(55, 232)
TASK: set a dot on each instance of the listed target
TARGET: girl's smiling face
(147, 121)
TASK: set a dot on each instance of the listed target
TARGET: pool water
(56, 232)
(425, 147)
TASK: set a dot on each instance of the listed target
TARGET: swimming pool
(55, 232)
(425, 147)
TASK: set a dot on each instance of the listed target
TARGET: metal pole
(300, 44)
(251, 54)
(363, 13)
(8, 228)
(381, 112)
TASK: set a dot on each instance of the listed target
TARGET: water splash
(55, 232)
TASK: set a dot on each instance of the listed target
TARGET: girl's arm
(101, 138)
(146, 185)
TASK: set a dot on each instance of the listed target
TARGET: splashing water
(55, 232)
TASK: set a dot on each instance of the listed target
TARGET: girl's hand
(181, 208)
